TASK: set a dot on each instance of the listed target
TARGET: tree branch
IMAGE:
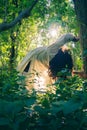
(24, 14)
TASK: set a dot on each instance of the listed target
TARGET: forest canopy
(27, 25)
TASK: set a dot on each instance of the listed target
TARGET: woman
(61, 64)
(36, 63)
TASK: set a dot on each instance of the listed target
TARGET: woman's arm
(53, 49)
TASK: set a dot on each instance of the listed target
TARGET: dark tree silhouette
(81, 12)
(24, 14)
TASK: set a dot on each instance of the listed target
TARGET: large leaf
(30, 102)
(41, 110)
(4, 121)
(71, 106)
(57, 106)
(66, 106)
(10, 108)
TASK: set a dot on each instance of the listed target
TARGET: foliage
(35, 30)
(63, 106)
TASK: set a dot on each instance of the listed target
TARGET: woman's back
(62, 60)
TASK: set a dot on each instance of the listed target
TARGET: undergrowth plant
(62, 107)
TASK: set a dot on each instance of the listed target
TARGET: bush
(62, 109)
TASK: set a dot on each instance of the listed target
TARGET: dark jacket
(60, 61)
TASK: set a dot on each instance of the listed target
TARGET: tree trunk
(81, 12)
(12, 51)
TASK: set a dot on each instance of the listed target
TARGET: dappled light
(53, 32)
(43, 65)
(39, 60)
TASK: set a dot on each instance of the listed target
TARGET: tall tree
(81, 12)
(36, 17)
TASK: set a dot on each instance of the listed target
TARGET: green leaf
(10, 108)
(41, 110)
(30, 102)
(58, 103)
(85, 53)
(20, 118)
(55, 109)
(71, 106)
(4, 121)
